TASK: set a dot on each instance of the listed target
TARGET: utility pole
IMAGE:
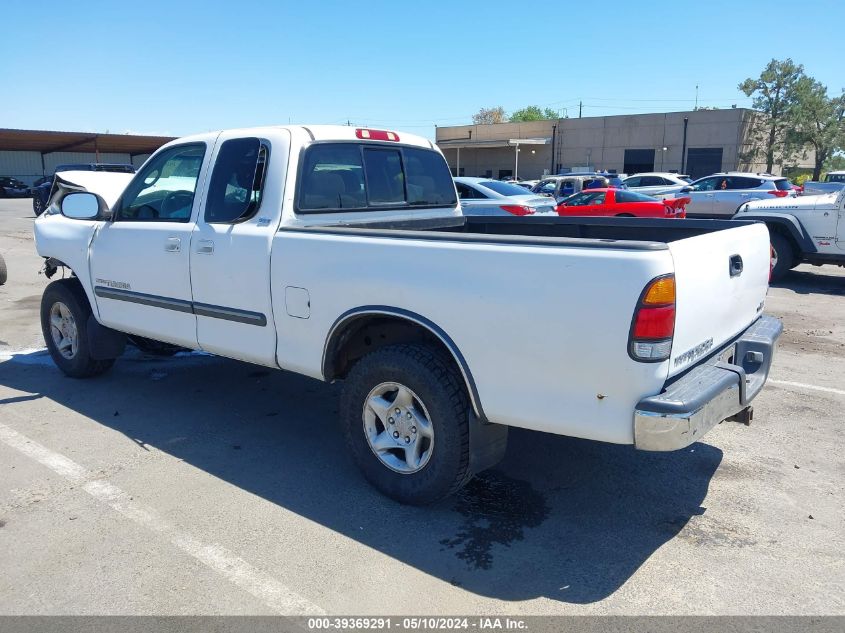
(696, 97)
(580, 104)
(684, 149)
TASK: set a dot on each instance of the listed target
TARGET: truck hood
(106, 184)
(787, 205)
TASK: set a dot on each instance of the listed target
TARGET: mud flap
(104, 343)
(487, 444)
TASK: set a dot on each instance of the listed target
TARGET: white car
(342, 254)
(483, 196)
(657, 183)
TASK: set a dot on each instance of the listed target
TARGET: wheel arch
(367, 328)
(52, 264)
(786, 225)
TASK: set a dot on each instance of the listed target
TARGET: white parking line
(235, 569)
(802, 385)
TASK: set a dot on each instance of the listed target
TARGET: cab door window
(164, 190)
(237, 182)
(706, 184)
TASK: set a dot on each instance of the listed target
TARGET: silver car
(721, 195)
(482, 196)
(657, 183)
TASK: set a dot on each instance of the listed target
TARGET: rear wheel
(783, 256)
(37, 205)
(64, 324)
(406, 421)
(3, 273)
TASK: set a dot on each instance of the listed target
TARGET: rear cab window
(343, 176)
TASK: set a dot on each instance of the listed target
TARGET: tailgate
(721, 280)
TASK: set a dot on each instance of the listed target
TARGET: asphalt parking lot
(198, 485)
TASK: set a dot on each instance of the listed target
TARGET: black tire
(3, 272)
(785, 254)
(70, 293)
(431, 377)
(37, 205)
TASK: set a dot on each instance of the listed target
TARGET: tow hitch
(744, 417)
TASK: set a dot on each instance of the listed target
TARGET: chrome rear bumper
(709, 393)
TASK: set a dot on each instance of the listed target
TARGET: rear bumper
(708, 394)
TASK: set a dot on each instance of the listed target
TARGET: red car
(621, 202)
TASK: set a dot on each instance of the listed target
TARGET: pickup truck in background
(809, 228)
(342, 254)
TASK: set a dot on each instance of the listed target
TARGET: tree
(835, 163)
(533, 113)
(489, 115)
(820, 121)
(775, 94)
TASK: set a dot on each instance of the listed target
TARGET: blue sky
(181, 67)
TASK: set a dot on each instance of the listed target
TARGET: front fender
(69, 242)
(788, 223)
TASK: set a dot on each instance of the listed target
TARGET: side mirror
(83, 206)
(686, 189)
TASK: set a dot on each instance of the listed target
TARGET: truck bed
(615, 233)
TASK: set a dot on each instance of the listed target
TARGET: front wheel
(406, 421)
(782, 256)
(64, 324)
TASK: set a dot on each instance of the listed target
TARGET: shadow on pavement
(806, 282)
(567, 519)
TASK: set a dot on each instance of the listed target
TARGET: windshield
(504, 188)
(783, 185)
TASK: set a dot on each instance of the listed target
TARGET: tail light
(653, 325)
(517, 209)
(777, 193)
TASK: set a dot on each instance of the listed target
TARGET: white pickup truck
(342, 254)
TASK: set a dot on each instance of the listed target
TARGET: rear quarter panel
(544, 330)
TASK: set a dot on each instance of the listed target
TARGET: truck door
(140, 259)
(231, 244)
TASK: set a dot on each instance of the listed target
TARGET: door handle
(735, 265)
(709, 195)
(173, 245)
(744, 195)
(205, 247)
